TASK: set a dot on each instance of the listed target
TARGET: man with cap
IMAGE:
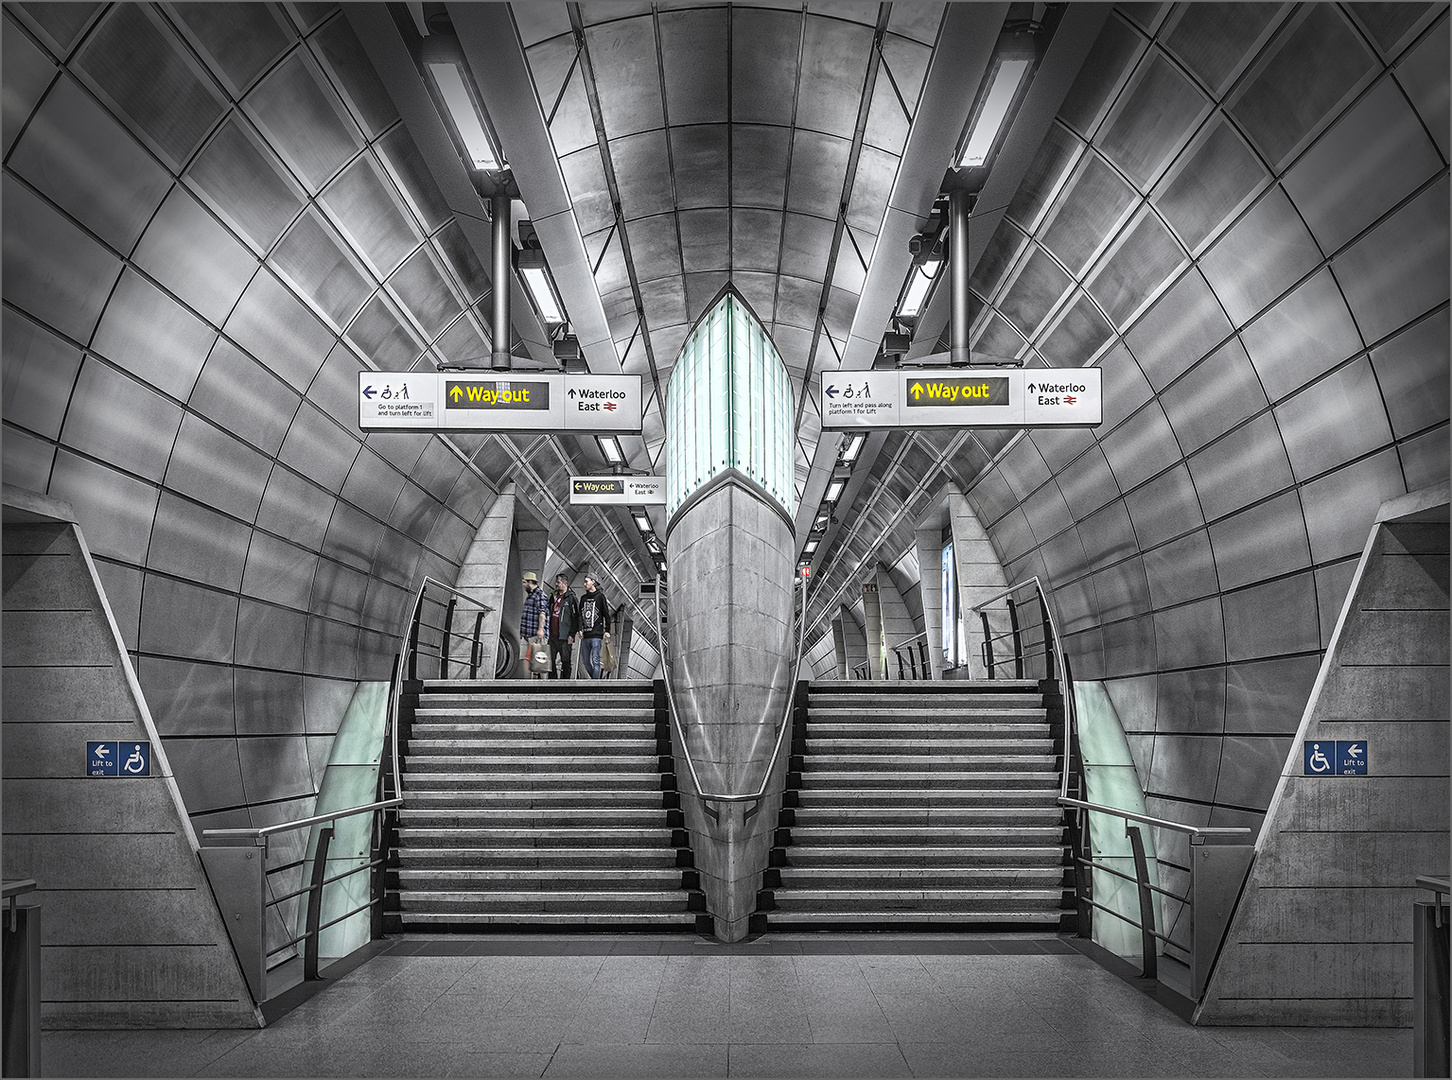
(534, 619)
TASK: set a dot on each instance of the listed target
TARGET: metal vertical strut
(500, 359)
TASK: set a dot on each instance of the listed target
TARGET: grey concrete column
(930, 585)
(854, 643)
(872, 628)
(898, 628)
(486, 576)
(729, 557)
(980, 574)
(839, 647)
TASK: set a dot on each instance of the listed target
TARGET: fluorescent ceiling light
(450, 81)
(538, 283)
(854, 447)
(1008, 76)
(917, 291)
(642, 522)
(834, 490)
(811, 547)
(610, 449)
(662, 567)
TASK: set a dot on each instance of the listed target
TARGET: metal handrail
(1177, 826)
(760, 792)
(260, 834)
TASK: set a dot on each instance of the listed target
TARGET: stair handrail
(760, 792)
(1056, 648)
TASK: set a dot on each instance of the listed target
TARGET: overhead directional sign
(503, 401)
(1015, 397)
(619, 490)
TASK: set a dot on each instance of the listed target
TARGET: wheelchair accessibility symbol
(1320, 761)
(118, 758)
(1335, 757)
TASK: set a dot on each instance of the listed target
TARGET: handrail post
(987, 643)
(447, 637)
(413, 639)
(1017, 640)
(474, 650)
(923, 655)
(1048, 635)
(315, 905)
(1146, 901)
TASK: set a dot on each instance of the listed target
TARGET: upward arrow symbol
(917, 390)
(456, 393)
(1031, 388)
(572, 391)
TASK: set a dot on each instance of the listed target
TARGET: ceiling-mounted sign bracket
(990, 397)
(507, 401)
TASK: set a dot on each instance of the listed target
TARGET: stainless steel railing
(783, 727)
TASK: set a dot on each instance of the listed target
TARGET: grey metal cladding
(372, 485)
(152, 336)
(121, 421)
(1191, 635)
(1333, 420)
(214, 467)
(1047, 513)
(185, 697)
(1213, 39)
(242, 40)
(1245, 465)
(1141, 446)
(1314, 64)
(1142, 260)
(343, 55)
(1422, 72)
(1041, 181)
(1191, 702)
(818, 168)
(383, 337)
(1123, 590)
(279, 330)
(1261, 541)
(1212, 180)
(1093, 203)
(1037, 287)
(697, 154)
(624, 60)
(1272, 619)
(181, 619)
(269, 703)
(140, 67)
(55, 271)
(277, 765)
(365, 207)
(1080, 332)
(425, 293)
(40, 372)
(352, 536)
(318, 447)
(114, 511)
(1125, 387)
(1260, 257)
(1118, 46)
(1339, 504)
(1412, 372)
(834, 61)
(1151, 118)
(27, 460)
(330, 648)
(1181, 570)
(765, 46)
(28, 73)
(278, 571)
(1249, 769)
(1399, 269)
(1129, 646)
(320, 264)
(1107, 535)
(192, 542)
(1182, 326)
(1268, 696)
(245, 184)
(695, 53)
(1303, 335)
(117, 195)
(269, 637)
(642, 172)
(1213, 396)
(1087, 483)
(306, 123)
(207, 772)
(194, 256)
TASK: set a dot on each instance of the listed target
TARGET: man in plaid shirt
(534, 620)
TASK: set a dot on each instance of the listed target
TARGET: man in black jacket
(594, 621)
(564, 622)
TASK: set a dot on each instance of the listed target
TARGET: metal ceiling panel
(26, 460)
(401, 449)
(381, 335)
(1191, 702)
(1059, 446)
(1144, 258)
(1391, 25)
(701, 289)
(1012, 537)
(1273, 619)
(120, 421)
(1125, 388)
(1094, 203)
(538, 21)
(1425, 459)
(1342, 184)
(1307, 332)
(343, 56)
(1213, 397)
(387, 608)
(1164, 507)
(1268, 695)
(1056, 156)
(705, 239)
(294, 508)
(627, 72)
(806, 246)
(207, 773)
(1153, 117)
(460, 257)
(58, 25)
(1047, 513)
(1023, 467)
(413, 514)
(214, 468)
(323, 268)
(1076, 605)
(372, 485)
(1107, 535)
(796, 302)
(1129, 647)
(1140, 447)
(871, 186)
(917, 21)
(756, 244)
(119, 191)
(367, 211)
(1118, 46)
(1260, 257)
(1422, 72)
(1341, 506)
(1245, 465)
(1333, 420)
(186, 698)
(464, 341)
(244, 184)
(1316, 63)
(1181, 570)
(1181, 327)
(1216, 40)
(1412, 372)
(1077, 335)
(695, 52)
(153, 337)
(138, 66)
(274, 326)
(991, 497)
(410, 172)
(337, 591)
(115, 511)
(1398, 270)
(1191, 635)
(398, 555)
(269, 703)
(1035, 288)
(308, 126)
(699, 155)
(275, 768)
(833, 73)
(573, 124)
(643, 174)
(243, 40)
(319, 448)
(39, 373)
(1250, 769)
(180, 619)
(760, 157)
(352, 537)
(28, 73)
(244, 397)
(194, 256)
(818, 168)
(665, 304)
(765, 52)
(422, 289)
(278, 571)
(1008, 240)
(1213, 180)
(655, 249)
(53, 270)
(1261, 542)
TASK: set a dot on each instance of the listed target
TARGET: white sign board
(502, 401)
(982, 397)
(617, 490)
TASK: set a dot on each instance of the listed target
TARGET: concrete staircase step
(600, 920)
(541, 748)
(640, 780)
(855, 817)
(567, 879)
(946, 798)
(935, 856)
(946, 876)
(465, 799)
(924, 762)
(874, 918)
(814, 778)
(511, 766)
(961, 899)
(948, 729)
(577, 817)
(520, 902)
(925, 835)
(562, 859)
(524, 837)
(829, 749)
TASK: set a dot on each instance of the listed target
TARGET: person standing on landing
(564, 624)
(594, 618)
(534, 620)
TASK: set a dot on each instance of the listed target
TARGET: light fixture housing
(442, 59)
(834, 491)
(642, 522)
(853, 448)
(919, 285)
(810, 547)
(610, 449)
(998, 99)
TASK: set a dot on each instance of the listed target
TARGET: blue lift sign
(1334, 757)
(118, 758)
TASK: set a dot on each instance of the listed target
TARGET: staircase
(922, 805)
(538, 804)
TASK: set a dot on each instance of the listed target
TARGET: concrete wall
(132, 934)
(898, 627)
(929, 542)
(485, 575)
(1323, 932)
(730, 565)
(980, 575)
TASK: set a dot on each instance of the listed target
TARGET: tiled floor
(784, 1006)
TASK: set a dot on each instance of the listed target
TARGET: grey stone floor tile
(607, 1060)
(608, 1026)
(818, 1060)
(769, 1026)
(687, 1025)
(514, 1035)
(134, 1053)
(498, 1065)
(854, 1025)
